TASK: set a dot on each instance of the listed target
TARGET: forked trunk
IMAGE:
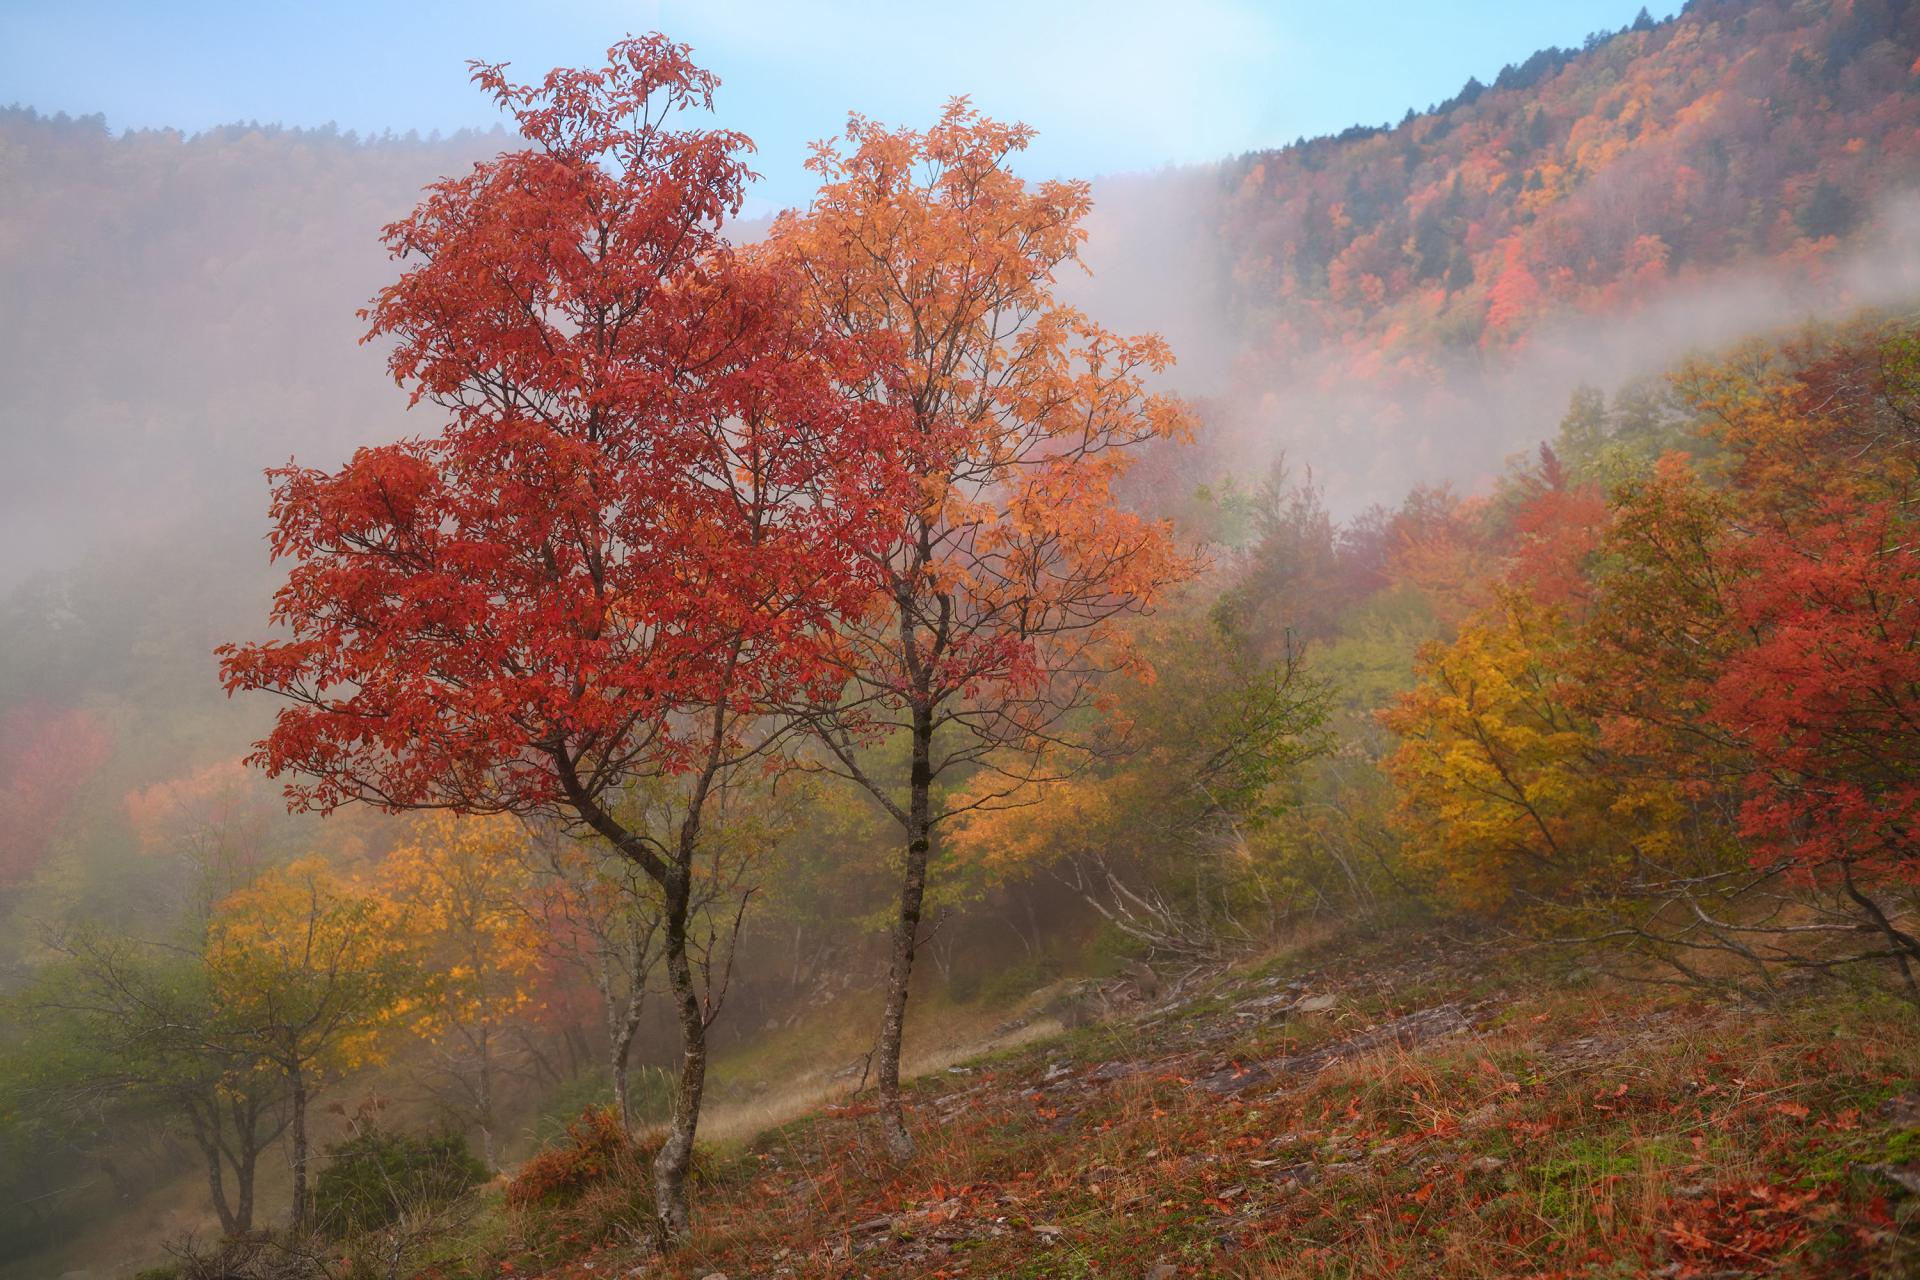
(906, 935)
(230, 1223)
(206, 1135)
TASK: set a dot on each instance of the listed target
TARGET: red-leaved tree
(1826, 698)
(649, 494)
(46, 756)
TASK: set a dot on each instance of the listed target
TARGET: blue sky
(1113, 85)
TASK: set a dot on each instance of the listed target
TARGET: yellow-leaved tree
(1505, 791)
(311, 970)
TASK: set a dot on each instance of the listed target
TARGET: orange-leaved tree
(997, 611)
(650, 494)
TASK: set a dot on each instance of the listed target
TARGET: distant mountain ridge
(1587, 217)
(1737, 128)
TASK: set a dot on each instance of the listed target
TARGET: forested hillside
(1398, 300)
(1582, 180)
(1486, 624)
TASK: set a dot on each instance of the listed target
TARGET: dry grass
(1528, 1128)
(817, 1083)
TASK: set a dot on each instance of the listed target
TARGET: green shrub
(373, 1177)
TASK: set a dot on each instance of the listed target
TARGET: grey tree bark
(906, 936)
(671, 1166)
(298, 1080)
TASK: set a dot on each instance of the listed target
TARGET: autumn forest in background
(1349, 710)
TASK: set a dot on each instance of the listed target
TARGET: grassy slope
(1435, 1110)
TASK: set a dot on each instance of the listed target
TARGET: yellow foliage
(461, 889)
(315, 966)
(1504, 790)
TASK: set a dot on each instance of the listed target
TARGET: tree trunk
(246, 1153)
(906, 933)
(230, 1224)
(675, 878)
(206, 1135)
(578, 1051)
(618, 1057)
(299, 1081)
(623, 1020)
(670, 1167)
(243, 1175)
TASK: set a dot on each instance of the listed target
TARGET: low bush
(375, 1176)
(595, 1186)
(597, 1150)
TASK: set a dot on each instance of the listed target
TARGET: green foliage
(837, 866)
(375, 1176)
(1613, 443)
(1371, 658)
(116, 1037)
(1193, 762)
(1226, 514)
(1111, 951)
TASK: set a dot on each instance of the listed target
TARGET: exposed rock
(1406, 1032)
(1905, 1176)
(1305, 1173)
(1117, 1070)
(1234, 1077)
(1076, 1006)
(1902, 1109)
